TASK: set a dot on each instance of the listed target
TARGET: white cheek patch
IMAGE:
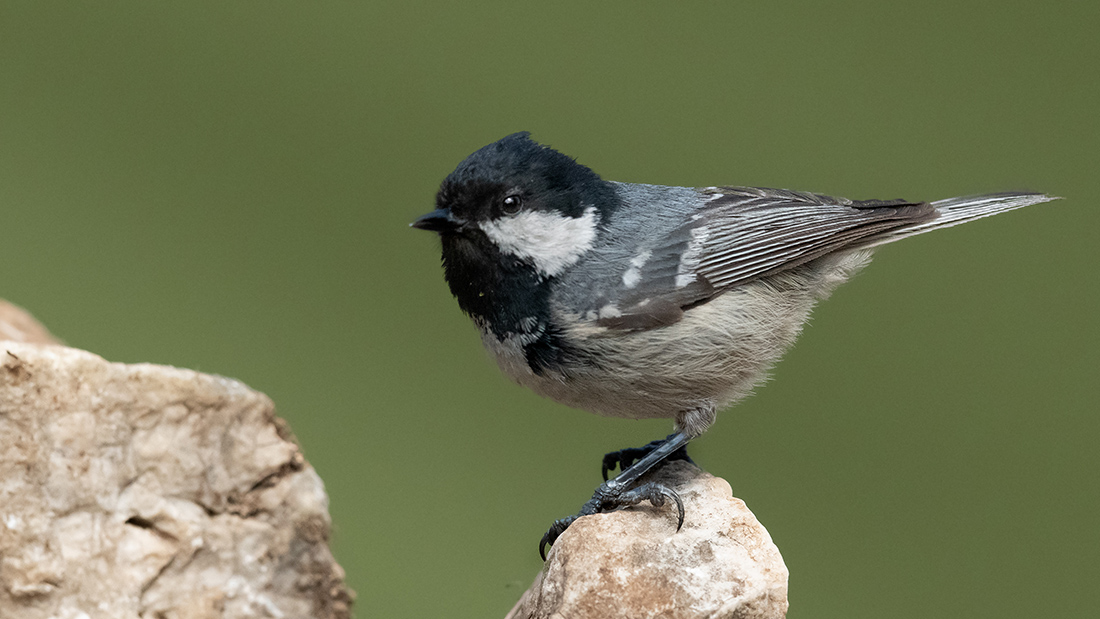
(551, 242)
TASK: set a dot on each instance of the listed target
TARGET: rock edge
(154, 492)
(633, 563)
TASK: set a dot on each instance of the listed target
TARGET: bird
(648, 301)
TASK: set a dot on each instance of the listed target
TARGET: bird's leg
(620, 492)
(623, 458)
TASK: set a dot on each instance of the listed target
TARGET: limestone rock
(633, 564)
(17, 325)
(147, 491)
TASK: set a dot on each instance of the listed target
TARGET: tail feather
(955, 211)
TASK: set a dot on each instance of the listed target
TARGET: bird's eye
(511, 204)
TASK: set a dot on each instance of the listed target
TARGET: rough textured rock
(148, 491)
(633, 564)
(17, 325)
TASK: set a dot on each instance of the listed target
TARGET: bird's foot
(624, 458)
(612, 495)
(625, 490)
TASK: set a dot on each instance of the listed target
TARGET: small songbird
(644, 301)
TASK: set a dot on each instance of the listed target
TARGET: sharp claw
(610, 462)
(624, 489)
(657, 494)
(679, 509)
(553, 533)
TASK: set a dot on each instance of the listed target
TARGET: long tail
(955, 211)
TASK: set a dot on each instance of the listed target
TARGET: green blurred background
(226, 187)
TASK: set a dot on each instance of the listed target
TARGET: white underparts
(550, 241)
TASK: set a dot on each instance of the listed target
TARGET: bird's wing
(740, 234)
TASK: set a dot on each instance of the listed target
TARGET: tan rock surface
(149, 491)
(17, 325)
(633, 564)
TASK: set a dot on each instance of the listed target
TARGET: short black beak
(439, 220)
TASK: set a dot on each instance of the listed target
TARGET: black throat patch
(506, 296)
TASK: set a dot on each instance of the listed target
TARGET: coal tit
(647, 301)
